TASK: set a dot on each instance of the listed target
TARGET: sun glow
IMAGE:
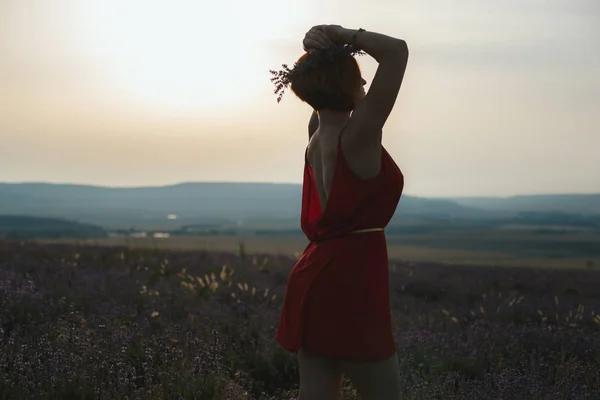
(182, 55)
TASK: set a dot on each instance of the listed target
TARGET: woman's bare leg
(374, 380)
(320, 378)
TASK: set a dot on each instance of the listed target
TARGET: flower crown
(284, 77)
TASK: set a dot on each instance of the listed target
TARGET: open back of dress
(337, 297)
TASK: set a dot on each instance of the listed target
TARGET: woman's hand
(317, 38)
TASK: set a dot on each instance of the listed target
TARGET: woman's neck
(333, 118)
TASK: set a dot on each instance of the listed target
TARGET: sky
(500, 98)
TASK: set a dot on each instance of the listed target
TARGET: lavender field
(116, 323)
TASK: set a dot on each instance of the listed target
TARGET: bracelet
(353, 37)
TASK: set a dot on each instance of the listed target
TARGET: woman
(336, 313)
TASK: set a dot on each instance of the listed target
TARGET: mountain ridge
(247, 200)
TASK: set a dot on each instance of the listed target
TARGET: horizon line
(158, 186)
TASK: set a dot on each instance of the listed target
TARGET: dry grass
(294, 245)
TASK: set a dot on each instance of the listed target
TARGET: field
(490, 248)
(143, 322)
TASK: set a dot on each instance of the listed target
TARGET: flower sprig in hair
(285, 76)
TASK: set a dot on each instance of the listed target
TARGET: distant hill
(26, 227)
(193, 203)
(584, 204)
(228, 199)
(170, 207)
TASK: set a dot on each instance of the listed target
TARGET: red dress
(337, 301)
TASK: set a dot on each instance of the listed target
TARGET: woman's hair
(331, 84)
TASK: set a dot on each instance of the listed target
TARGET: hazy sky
(499, 98)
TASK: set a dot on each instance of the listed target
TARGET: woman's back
(321, 155)
(336, 199)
